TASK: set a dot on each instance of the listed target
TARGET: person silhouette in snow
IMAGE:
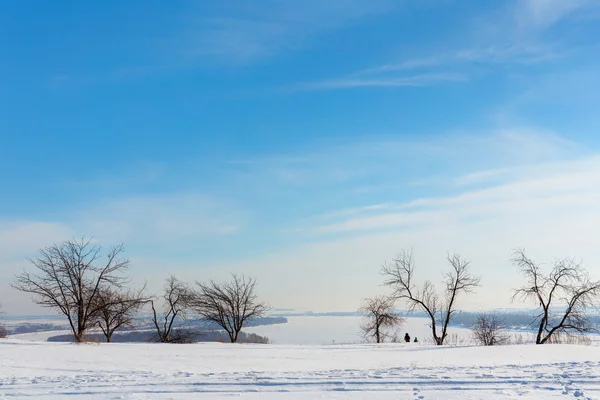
(407, 338)
(416, 340)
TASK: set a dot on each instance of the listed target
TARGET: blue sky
(301, 142)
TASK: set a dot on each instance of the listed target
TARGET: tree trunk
(538, 339)
(78, 337)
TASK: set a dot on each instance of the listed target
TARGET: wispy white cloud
(138, 220)
(520, 53)
(508, 36)
(544, 13)
(552, 213)
(497, 46)
(515, 187)
(19, 237)
(478, 177)
(549, 192)
(384, 160)
(249, 34)
(190, 215)
(160, 218)
(237, 40)
(235, 34)
(64, 80)
(163, 224)
(408, 81)
(355, 210)
(573, 92)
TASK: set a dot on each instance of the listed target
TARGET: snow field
(214, 370)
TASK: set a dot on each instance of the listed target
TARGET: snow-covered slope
(406, 371)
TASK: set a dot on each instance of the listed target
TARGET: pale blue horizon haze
(303, 143)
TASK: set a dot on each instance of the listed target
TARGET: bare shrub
(91, 339)
(396, 335)
(518, 339)
(3, 331)
(182, 335)
(380, 320)
(570, 338)
(567, 286)
(229, 305)
(522, 338)
(489, 330)
(175, 298)
(454, 340)
(68, 277)
(400, 276)
(255, 339)
(117, 308)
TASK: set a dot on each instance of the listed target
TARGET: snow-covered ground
(33, 370)
(39, 336)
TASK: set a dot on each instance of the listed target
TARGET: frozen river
(329, 330)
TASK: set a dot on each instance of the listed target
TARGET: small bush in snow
(488, 330)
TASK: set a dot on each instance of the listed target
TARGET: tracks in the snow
(573, 380)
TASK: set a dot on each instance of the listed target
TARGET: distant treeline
(142, 324)
(511, 320)
(30, 327)
(464, 319)
(260, 321)
(150, 336)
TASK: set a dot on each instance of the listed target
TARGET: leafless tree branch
(3, 331)
(229, 305)
(117, 308)
(175, 299)
(488, 330)
(380, 318)
(68, 277)
(440, 309)
(567, 286)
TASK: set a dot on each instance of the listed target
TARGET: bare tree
(566, 287)
(175, 299)
(68, 278)
(117, 309)
(380, 318)
(488, 330)
(440, 309)
(3, 331)
(229, 305)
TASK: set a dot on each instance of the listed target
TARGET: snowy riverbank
(213, 370)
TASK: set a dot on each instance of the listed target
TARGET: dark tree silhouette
(229, 305)
(440, 309)
(175, 299)
(117, 309)
(3, 331)
(488, 330)
(68, 277)
(567, 287)
(380, 318)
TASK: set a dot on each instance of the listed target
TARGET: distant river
(329, 330)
